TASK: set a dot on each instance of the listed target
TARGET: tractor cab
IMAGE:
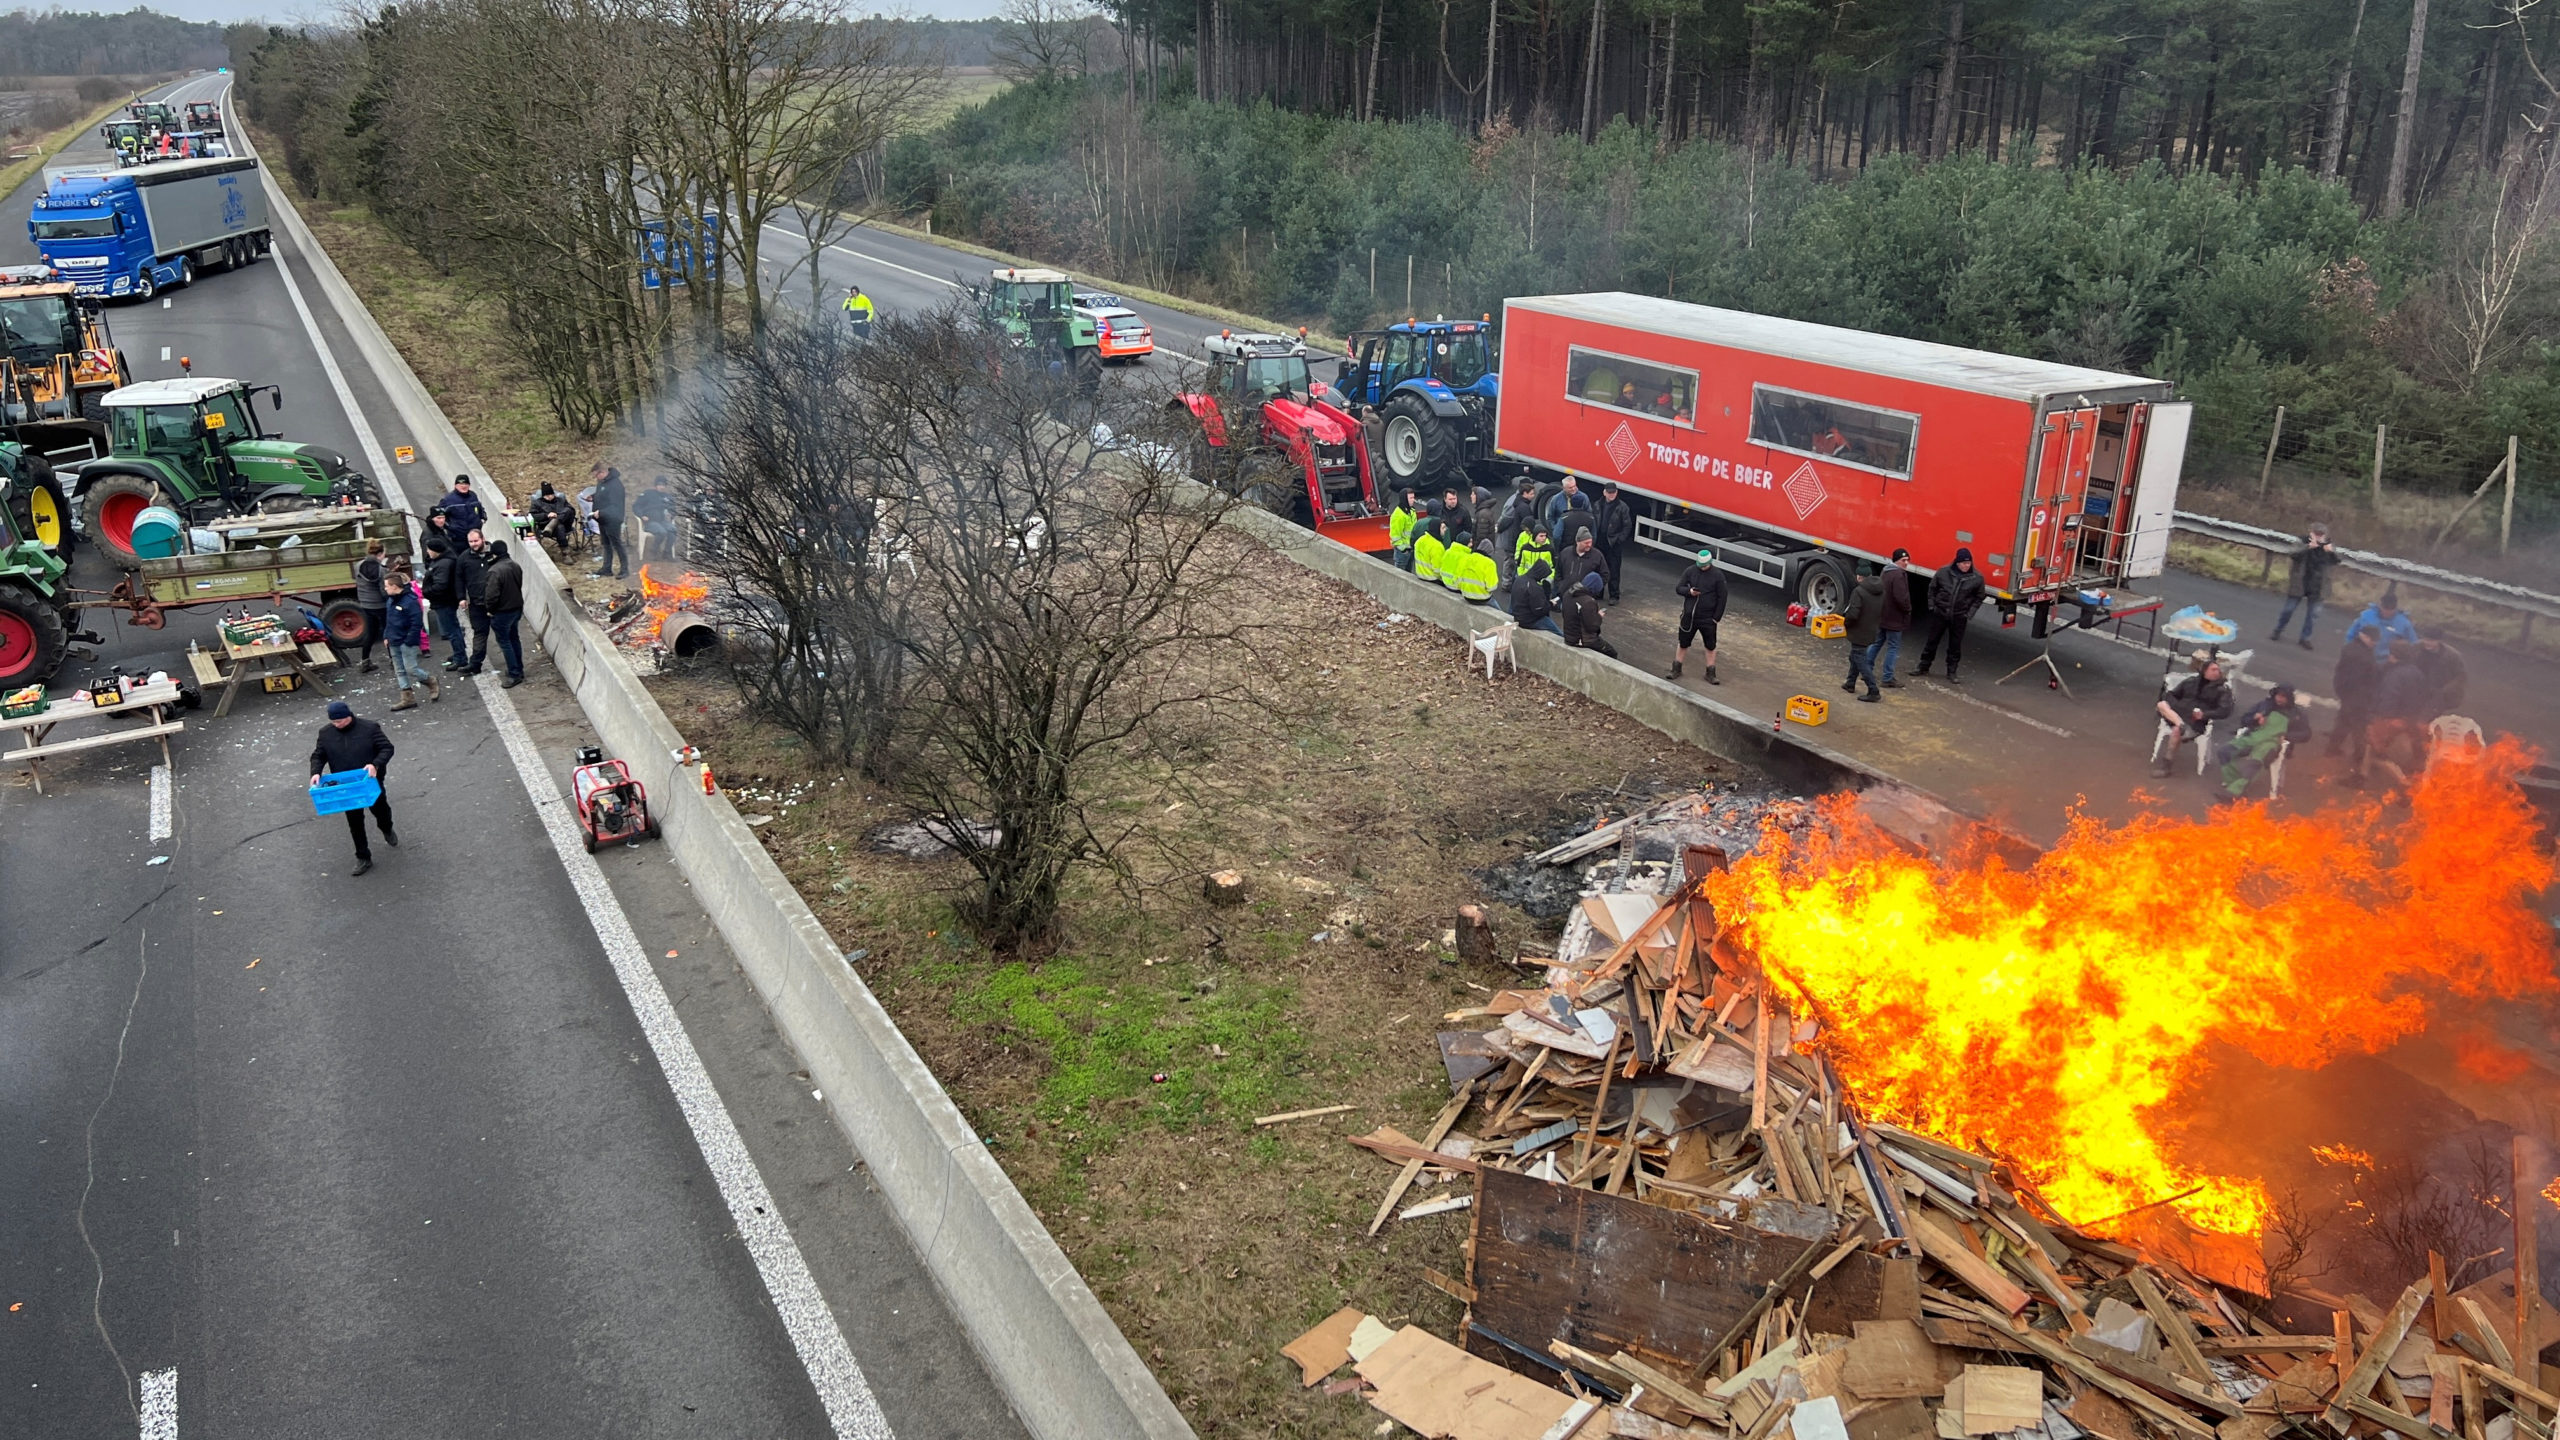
(128, 140)
(204, 115)
(156, 113)
(57, 361)
(204, 429)
(1434, 385)
(1036, 309)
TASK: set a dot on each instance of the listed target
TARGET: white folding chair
(2160, 738)
(1495, 644)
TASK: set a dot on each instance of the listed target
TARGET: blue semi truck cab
(131, 232)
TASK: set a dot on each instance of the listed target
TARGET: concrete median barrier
(1066, 1369)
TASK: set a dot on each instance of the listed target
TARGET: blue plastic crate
(344, 790)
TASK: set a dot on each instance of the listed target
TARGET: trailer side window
(1637, 386)
(1835, 430)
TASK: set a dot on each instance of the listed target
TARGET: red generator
(1796, 449)
(612, 806)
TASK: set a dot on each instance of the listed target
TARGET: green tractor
(193, 445)
(35, 626)
(1036, 310)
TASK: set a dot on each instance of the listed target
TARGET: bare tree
(1038, 40)
(772, 448)
(1057, 591)
(755, 102)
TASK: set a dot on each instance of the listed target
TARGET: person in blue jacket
(2384, 618)
(463, 512)
(404, 625)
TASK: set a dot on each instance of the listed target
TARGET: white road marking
(1960, 694)
(164, 352)
(812, 1327)
(162, 826)
(160, 1404)
(164, 304)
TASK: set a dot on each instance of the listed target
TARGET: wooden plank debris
(1431, 1386)
(1326, 1347)
(1286, 1116)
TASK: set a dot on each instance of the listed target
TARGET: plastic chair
(2161, 737)
(1496, 644)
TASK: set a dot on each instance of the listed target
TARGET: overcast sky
(226, 11)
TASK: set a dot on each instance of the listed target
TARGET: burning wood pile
(666, 617)
(1682, 1224)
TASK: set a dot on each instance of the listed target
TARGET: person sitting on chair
(2264, 732)
(2191, 707)
(554, 518)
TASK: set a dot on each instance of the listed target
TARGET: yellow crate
(1827, 627)
(281, 684)
(1808, 709)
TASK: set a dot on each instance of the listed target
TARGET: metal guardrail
(2528, 603)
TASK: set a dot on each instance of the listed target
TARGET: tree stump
(1222, 887)
(1475, 935)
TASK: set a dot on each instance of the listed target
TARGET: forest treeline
(138, 41)
(2111, 210)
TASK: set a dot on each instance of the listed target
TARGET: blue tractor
(1431, 386)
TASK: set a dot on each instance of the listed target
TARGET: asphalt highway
(287, 1153)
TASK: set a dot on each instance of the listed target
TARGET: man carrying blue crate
(349, 744)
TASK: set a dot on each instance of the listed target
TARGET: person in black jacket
(1702, 595)
(2306, 583)
(471, 577)
(607, 499)
(1617, 521)
(442, 584)
(2192, 705)
(463, 512)
(502, 595)
(555, 519)
(1955, 592)
(347, 743)
(1532, 607)
(1585, 558)
(1582, 616)
(1864, 617)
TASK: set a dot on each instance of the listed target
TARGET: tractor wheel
(93, 404)
(1262, 483)
(114, 502)
(39, 511)
(342, 621)
(1822, 586)
(1088, 371)
(1420, 447)
(33, 637)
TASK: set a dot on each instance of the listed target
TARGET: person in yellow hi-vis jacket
(858, 310)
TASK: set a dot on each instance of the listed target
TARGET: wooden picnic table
(154, 699)
(247, 662)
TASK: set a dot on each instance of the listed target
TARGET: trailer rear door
(2155, 491)
(2062, 486)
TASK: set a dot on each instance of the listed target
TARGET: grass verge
(1117, 1080)
(17, 172)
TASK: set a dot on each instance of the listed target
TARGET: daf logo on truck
(137, 230)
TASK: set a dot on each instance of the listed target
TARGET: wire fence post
(2267, 466)
(1373, 272)
(2380, 433)
(2507, 517)
(1408, 283)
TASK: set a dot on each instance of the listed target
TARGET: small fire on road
(2053, 1013)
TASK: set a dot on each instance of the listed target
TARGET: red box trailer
(1792, 446)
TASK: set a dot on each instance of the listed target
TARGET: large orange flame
(2050, 1014)
(665, 597)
